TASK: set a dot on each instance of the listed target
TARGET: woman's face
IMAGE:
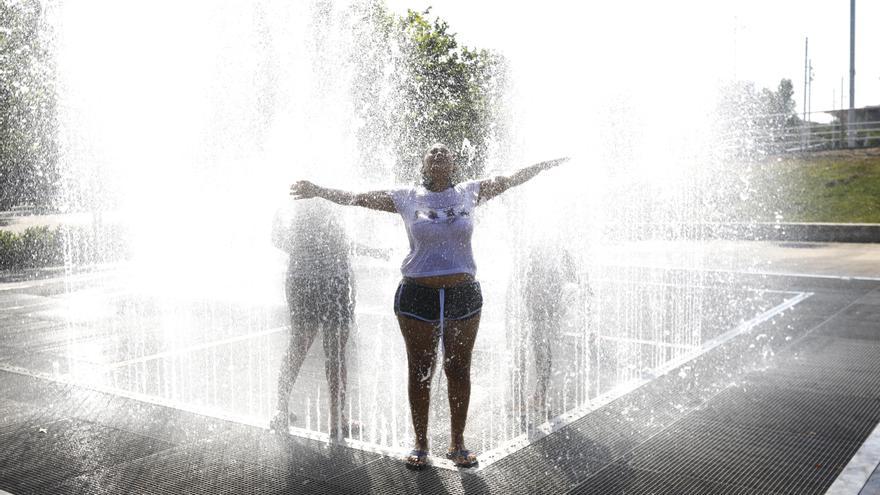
(437, 163)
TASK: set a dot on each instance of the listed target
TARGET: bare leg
(458, 341)
(421, 351)
(541, 335)
(301, 338)
(334, 341)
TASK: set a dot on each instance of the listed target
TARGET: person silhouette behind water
(319, 288)
(554, 293)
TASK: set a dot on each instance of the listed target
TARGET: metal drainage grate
(36, 458)
(753, 458)
(832, 417)
(619, 479)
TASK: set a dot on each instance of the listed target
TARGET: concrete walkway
(790, 258)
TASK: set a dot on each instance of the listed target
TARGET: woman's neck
(436, 185)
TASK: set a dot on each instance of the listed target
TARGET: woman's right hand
(303, 189)
(554, 163)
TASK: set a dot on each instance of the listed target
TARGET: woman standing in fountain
(320, 296)
(439, 299)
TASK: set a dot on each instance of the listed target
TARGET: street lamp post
(851, 113)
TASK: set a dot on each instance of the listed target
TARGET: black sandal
(462, 458)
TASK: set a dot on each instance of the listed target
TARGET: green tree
(373, 60)
(28, 146)
(779, 107)
(752, 122)
(416, 85)
(450, 94)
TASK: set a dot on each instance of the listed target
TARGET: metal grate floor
(824, 415)
(622, 479)
(39, 457)
(789, 425)
(753, 458)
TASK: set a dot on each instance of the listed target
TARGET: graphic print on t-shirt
(447, 213)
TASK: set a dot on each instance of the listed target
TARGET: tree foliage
(450, 95)
(414, 85)
(417, 85)
(756, 122)
(44, 246)
(28, 147)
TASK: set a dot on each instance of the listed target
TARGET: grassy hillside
(831, 186)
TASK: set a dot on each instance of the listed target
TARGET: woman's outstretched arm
(489, 188)
(374, 200)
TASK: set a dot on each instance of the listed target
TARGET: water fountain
(190, 121)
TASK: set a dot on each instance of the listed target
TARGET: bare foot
(280, 422)
(350, 429)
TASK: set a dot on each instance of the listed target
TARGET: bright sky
(584, 74)
(652, 69)
(757, 40)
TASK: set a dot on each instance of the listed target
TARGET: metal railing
(762, 134)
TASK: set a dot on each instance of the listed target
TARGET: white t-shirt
(439, 226)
